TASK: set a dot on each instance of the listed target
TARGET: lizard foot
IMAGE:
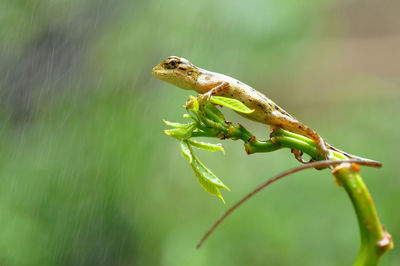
(205, 97)
(299, 156)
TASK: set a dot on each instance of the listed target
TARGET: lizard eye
(171, 64)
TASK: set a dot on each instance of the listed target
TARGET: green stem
(375, 241)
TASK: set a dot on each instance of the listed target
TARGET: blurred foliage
(89, 178)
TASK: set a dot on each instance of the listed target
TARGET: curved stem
(375, 241)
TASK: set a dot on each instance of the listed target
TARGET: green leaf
(180, 133)
(215, 110)
(206, 146)
(186, 152)
(207, 179)
(178, 125)
(233, 104)
(193, 115)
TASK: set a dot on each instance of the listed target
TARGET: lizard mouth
(158, 71)
(161, 73)
(155, 69)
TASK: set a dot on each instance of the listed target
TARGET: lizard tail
(351, 156)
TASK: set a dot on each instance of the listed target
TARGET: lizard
(182, 73)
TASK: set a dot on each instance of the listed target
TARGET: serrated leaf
(178, 125)
(180, 133)
(207, 179)
(186, 152)
(233, 104)
(206, 146)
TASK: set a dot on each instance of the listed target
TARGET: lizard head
(178, 71)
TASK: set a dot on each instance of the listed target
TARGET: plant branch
(210, 122)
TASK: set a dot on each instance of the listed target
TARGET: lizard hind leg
(323, 148)
(297, 153)
(293, 125)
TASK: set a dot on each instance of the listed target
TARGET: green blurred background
(88, 177)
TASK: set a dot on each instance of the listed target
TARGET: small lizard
(180, 72)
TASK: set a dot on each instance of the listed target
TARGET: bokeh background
(87, 176)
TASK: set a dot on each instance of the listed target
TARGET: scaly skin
(182, 73)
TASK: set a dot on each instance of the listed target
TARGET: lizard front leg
(217, 88)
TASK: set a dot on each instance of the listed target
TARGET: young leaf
(180, 133)
(207, 179)
(206, 146)
(186, 152)
(177, 125)
(215, 110)
(231, 104)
